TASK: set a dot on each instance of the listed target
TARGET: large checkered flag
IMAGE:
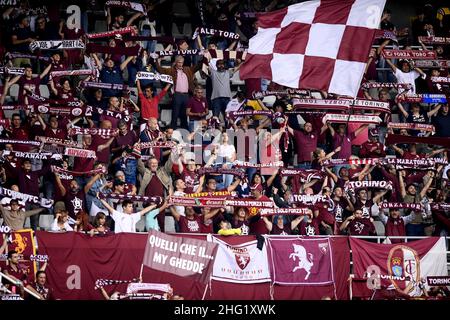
(319, 44)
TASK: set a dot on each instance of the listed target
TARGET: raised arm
(402, 110)
(360, 129)
(393, 67)
(61, 187)
(434, 111)
(124, 64)
(147, 209)
(402, 185)
(269, 224)
(176, 215)
(425, 188)
(106, 204)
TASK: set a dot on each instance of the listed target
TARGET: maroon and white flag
(320, 45)
(403, 267)
(242, 263)
(182, 256)
(300, 261)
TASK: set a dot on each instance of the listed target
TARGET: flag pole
(140, 274)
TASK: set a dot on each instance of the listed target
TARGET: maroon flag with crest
(300, 261)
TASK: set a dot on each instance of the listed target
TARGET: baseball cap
(59, 206)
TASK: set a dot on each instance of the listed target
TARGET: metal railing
(16, 282)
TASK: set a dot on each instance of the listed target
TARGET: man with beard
(365, 204)
(342, 203)
(395, 224)
(74, 198)
(357, 225)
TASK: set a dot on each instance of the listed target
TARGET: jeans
(219, 105)
(180, 101)
(149, 45)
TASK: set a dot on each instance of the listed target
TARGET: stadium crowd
(96, 147)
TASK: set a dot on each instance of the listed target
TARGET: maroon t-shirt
(31, 85)
(154, 188)
(20, 274)
(102, 156)
(395, 227)
(309, 228)
(191, 179)
(75, 202)
(365, 207)
(58, 133)
(84, 164)
(191, 226)
(305, 144)
(22, 133)
(197, 106)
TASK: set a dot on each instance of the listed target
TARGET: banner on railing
(243, 263)
(406, 264)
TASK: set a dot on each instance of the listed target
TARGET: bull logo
(242, 259)
(20, 242)
(303, 261)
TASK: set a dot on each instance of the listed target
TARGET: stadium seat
(14, 91)
(45, 221)
(180, 10)
(44, 91)
(100, 25)
(379, 227)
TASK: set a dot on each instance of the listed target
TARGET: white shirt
(408, 77)
(225, 152)
(54, 226)
(125, 222)
(180, 209)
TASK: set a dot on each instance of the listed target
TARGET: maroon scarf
(398, 205)
(102, 85)
(284, 211)
(409, 54)
(245, 164)
(94, 132)
(440, 79)
(397, 138)
(13, 141)
(368, 85)
(15, 55)
(156, 200)
(80, 153)
(435, 40)
(433, 64)
(79, 173)
(355, 185)
(59, 142)
(29, 155)
(112, 33)
(385, 34)
(11, 70)
(209, 170)
(208, 202)
(215, 33)
(237, 114)
(191, 52)
(287, 92)
(412, 126)
(305, 175)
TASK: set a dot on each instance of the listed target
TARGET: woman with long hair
(82, 222)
